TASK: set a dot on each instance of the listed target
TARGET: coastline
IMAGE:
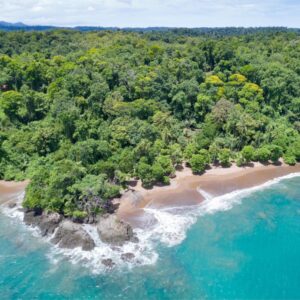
(187, 189)
(162, 214)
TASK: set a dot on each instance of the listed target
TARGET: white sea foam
(170, 230)
(143, 251)
(16, 211)
(173, 222)
(227, 201)
(205, 194)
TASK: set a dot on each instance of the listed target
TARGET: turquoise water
(250, 251)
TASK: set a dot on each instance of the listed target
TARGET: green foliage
(11, 103)
(247, 154)
(144, 171)
(276, 152)
(83, 113)
(79, 215)
(295, 149)
(166, 163)
(289, 159)
(190, 150)
(176, 154)
(198, 163)
(50, 184)
(224, 157)
(263, 154)
(95, 185)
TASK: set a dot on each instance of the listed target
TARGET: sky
(147, 13)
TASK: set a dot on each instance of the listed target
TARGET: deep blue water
(251, 251)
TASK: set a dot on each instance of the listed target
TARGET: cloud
(134, 13)
(90, 8)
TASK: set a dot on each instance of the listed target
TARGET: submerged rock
(114, 231)
(127, 256)
(12, 204)
(70, 235)
(108, 262)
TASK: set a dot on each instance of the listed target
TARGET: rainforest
(84, 113)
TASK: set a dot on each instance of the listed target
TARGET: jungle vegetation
(82, 113)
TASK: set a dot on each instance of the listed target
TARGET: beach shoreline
(162, 213)
(187, 189)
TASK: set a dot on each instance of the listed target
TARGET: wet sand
(186, 188)
(10, 190)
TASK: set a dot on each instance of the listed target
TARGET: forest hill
(84, 113)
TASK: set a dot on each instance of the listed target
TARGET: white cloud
(90, 8)
(37, 8)
(187, 13)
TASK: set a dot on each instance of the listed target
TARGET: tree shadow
(277, 163)
(179, 168)
(219, 165)
(249, 165)
(265, 163)
(132, 183)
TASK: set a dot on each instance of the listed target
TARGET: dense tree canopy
(83, 113)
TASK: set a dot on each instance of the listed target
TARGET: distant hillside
(217, 31)
(6, 24)
(21, 26)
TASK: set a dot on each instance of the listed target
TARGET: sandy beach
(9, 190)
(188, 189)
(185, 189)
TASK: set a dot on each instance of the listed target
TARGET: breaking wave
(173, 222)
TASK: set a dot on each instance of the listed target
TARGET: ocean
(244, 245)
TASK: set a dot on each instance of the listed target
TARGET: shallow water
(234, 248)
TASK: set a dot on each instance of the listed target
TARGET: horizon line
(20, 24)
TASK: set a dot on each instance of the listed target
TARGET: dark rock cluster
(68, 234)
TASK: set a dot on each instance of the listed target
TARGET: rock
(32, 218)
(89, 220)
(114, 231)
(108, 262)
(70, 235)
(127, 256)
(47, 223)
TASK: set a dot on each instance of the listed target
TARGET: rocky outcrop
(70, 235)
(47, 223)
(114, 231)
(32, 218)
